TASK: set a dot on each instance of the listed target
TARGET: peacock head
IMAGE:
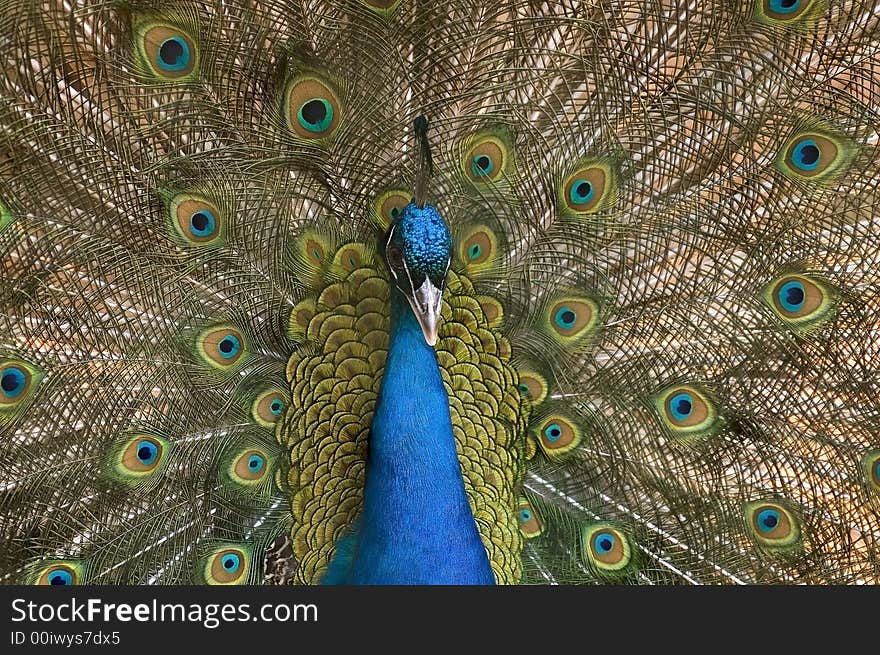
(418, 250)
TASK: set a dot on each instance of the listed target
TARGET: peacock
(464, 292)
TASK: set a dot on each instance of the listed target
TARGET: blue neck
(417, 526)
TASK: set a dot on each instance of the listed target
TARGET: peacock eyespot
(530, 523)
(606, 549)
(797, 297)
(772, 525)
(785, 6)
(588, 189)
(142, 455)
(250, 466)
(221, 347)
(686, 408)
(59, 575)
(18, 383)
(802, 302)
(815, 157)
(532, 386)
(350, 259)
(477, 248)
(573, 318)
(565, 318)
(784, 10)
(557, 435)
(315, 115)
(313, 110)
(227, 566)
(268, 407)
(170, 53)
(687, 411)
(202, 223)
(196, 220)
(487, 159)
(14, 383)
(389, 205)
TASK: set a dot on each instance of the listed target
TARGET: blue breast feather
(417, 526)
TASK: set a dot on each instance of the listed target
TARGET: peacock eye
(59, 575)
(221, 347)
(589, 189)
(202, 223)
(14, 381)
(170, 53)
(687, 412)
(250, 466)
(802, 302)
(229, 346)
(772, 525)
(227, 566)
(482, 165)
(173, 54)
(785, 6)
(139, 457)
(606, 549)
(604, 542)
(487, 157)
(313, 108)
(791, 296)
(146, 452)
(557, 435)
(581, 192)
(315, 115)
(553, 432)
(195, 220)
(681, 406)
(530, 524)
(805, 155)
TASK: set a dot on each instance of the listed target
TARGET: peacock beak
(426, 302)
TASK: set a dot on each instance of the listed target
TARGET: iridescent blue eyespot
(768, 519)
(147, 452)
(791, 296)
(229, 346)
(315, 115)
(276, 407)
(806, 155)
(603, 543)
(13, 381)
(256, 463)
(482, 165)
(565, 317)
(553, 432)
(203, 223)
(581, 192)
(524, 389)
(174, 54)
(475, 251)
(525, 515)
(681, 405)
(60, 577)
(784, 6)
(231, 562)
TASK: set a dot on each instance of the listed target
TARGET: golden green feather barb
(658, 336)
